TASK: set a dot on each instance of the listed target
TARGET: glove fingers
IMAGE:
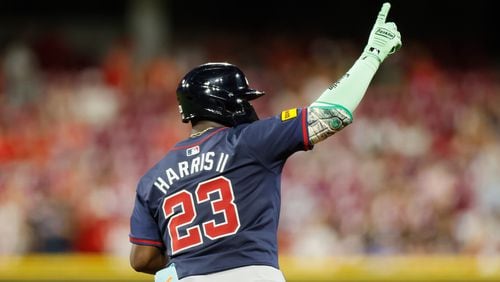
(397, 41)
(397, 44)
(382, 15)
(391, 26)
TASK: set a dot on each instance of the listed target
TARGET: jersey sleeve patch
(288, 114)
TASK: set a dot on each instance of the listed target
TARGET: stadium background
(409, 192)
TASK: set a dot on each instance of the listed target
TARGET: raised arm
(332, 111)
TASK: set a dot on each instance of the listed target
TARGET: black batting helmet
(218, 92)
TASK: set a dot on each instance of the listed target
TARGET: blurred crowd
(418, 171)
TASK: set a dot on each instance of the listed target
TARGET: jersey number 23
(224, 205)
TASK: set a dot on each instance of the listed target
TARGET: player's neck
(203, 126)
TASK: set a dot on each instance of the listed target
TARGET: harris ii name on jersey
(209, 161)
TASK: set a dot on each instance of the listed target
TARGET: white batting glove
(385, 38)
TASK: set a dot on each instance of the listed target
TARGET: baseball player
(209, 209)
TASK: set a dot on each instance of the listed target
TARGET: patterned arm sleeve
(324, 121)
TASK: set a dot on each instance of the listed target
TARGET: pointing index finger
(382, 15)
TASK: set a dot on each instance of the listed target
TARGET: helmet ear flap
(182, 113)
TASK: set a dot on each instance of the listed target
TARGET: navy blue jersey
(213, 202)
